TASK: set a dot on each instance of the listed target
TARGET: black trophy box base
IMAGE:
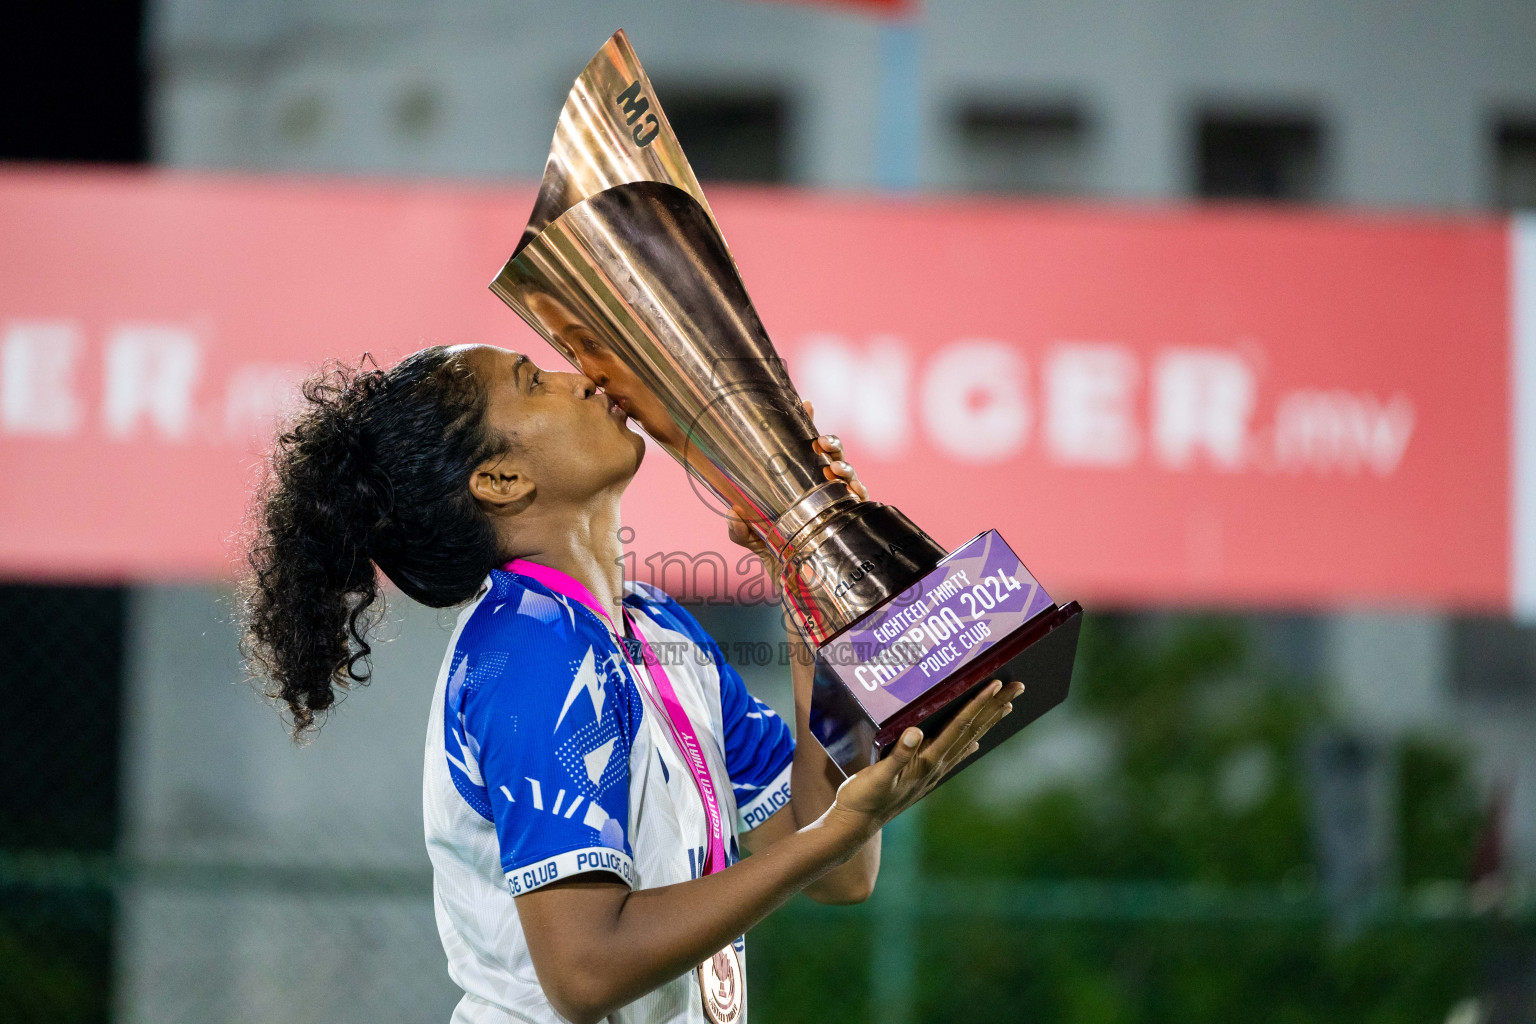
(1040, 655)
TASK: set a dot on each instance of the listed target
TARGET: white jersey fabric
(547, 756)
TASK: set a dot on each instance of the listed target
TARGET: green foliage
(1204, 785)
(1163, 973)
(806, 966)
(1440, 814)
(810, 967)
(53, 957)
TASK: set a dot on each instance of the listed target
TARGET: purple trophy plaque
(978, 615)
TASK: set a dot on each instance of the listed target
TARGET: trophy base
(1042, 661)
(918, 659)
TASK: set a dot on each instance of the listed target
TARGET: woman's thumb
(905, 747)
(884, 772)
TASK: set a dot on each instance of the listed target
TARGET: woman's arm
(813, 777)
(813, 785)
(597, 945)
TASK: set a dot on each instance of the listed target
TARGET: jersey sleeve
(759, 750)
(759, 747)
(552, 720)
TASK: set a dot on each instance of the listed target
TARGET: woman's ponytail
(373, 471)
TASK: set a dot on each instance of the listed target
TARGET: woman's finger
(736, 525)
(969, 729)
(933, 759)
(840, 470)
(739, 532)
(959, 753)
(810, 410)
(830, 445)
(890, 768)
(999, 708)
(956, 734)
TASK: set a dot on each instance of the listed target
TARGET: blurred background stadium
(1291, 801)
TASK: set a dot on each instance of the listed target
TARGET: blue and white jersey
(545, 758)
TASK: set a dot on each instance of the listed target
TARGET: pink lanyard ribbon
(683, 733)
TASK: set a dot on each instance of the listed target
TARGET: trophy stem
(850, 560)
(818, 506)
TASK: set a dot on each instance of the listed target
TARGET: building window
(1031, 150)
(1494, 661)
(734, 137)
(1269, 158)
(1514, 165)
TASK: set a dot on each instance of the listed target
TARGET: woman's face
(572, 439)
(578, 343)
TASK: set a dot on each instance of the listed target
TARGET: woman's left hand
(829, 445)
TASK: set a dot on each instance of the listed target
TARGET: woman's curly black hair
(374, 471)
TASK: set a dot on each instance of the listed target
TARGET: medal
(720, 986)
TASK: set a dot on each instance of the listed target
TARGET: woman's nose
(581, 384)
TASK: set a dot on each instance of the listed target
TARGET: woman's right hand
(875, 795)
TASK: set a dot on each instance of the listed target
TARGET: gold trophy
(623, 269)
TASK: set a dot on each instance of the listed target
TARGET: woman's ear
(504, 488)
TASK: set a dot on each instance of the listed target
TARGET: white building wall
(1406, 90)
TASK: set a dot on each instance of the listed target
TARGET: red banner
(1153, 406)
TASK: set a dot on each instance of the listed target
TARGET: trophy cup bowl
(624, 270)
